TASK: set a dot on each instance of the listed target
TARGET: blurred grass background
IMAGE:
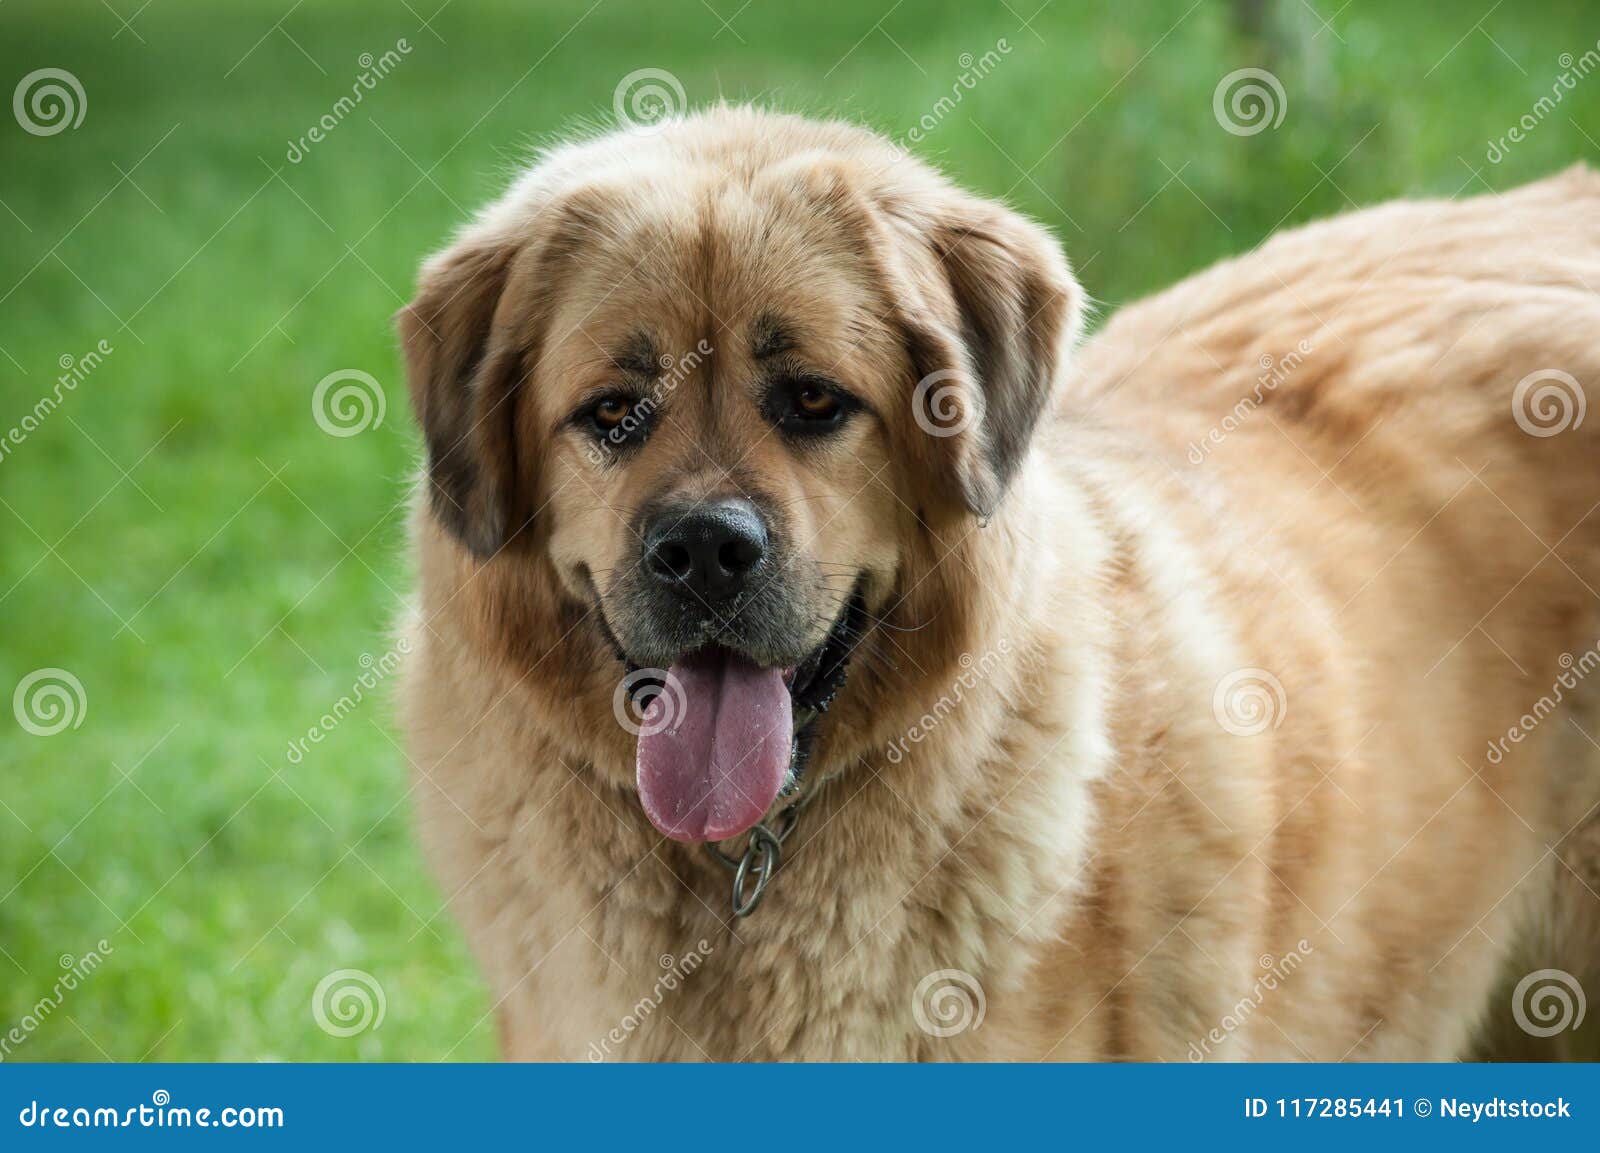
(183, 538)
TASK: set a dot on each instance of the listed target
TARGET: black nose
(710, 549)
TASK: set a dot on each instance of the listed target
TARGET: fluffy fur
(1171, 732)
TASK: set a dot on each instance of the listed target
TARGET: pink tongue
(714, 747)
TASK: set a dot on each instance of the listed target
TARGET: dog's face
(721, 381)
(715, 432)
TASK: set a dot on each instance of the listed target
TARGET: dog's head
(721, 379)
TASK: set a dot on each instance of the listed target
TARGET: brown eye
(617, 421)
(808, 406)
(816, 403)
(610, 413)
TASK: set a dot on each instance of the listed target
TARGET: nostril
(671, 559)
(709, 550)
(739, 555)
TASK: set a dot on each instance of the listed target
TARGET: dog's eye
(805, 407)
(815, 404)
(610, 413)
(616, 421)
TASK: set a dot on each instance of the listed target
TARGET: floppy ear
(463, 383)
(997, 315)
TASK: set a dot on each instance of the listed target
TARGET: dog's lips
(714, 746)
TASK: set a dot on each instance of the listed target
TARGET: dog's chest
(783, 988)
(836, 964)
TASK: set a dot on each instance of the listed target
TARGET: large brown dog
(1219, 694)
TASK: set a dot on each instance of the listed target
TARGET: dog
(818, 655)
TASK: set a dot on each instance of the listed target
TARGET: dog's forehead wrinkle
(731, 282)
(636, 353)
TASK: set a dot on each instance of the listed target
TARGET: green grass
(216, 597)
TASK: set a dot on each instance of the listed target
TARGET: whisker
(917, 628)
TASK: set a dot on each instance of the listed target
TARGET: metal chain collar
(763, 853)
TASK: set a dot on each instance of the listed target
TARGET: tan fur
(1075, 830)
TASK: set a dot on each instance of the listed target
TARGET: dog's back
(1375, 439)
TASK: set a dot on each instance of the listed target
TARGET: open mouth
(721, 737)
